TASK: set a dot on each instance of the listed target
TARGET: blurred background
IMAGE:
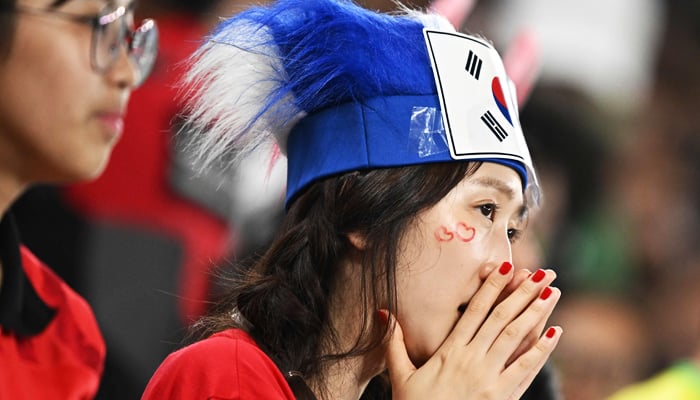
(613, 131)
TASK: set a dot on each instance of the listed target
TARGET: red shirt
(59, 355)
(226, 366)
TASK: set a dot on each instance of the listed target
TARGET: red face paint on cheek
(465, 232)
(462, 231)
(442, 234)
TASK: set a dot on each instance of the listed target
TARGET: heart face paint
(442, 234)
(465, 232)
(461, 232)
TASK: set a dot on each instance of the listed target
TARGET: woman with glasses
(66, 72)
(408, 181)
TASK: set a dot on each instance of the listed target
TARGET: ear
(357, 240)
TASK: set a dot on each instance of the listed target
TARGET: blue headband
(354, 136)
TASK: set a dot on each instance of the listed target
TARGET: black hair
(195, 7)
(283, 300)
(7, 24)
(7, 27)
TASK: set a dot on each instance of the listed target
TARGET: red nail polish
(546, 293)
(538, 276)
(505, 268)
(551, 332)
(383, 316)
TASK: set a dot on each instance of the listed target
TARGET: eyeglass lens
(113, 32)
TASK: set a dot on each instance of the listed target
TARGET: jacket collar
(22, 311)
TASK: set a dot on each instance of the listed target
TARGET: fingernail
(551, 332)
(546, 293)
(505, 268)
(383, 316)
(538, 276)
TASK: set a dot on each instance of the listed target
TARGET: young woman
(408, 181)
(66, 71)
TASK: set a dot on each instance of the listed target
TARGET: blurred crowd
(615, 137)
(612, 129)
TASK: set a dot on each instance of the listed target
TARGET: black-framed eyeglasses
(110, 31)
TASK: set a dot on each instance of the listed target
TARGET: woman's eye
(487, 210)
(514, 235)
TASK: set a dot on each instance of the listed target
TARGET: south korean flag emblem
(478, 102)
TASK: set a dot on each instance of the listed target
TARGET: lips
(113, 121)
(112, 118)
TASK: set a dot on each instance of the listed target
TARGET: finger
(509, 309)
(522, 62)
(398, 363)
(516, 332)
(518, 279)
(456, 11)
(528, 342)
(522, 275)
(480, 305)
(524, 370)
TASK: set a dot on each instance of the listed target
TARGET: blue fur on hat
(334, 83)
(335, 52)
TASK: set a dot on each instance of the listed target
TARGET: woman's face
(59, 119)
(447, 254)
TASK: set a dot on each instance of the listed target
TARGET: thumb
(397, 361)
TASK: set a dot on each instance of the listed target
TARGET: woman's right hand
(476, 359)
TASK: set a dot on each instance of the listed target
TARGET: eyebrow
(505, 189)
(496, 184)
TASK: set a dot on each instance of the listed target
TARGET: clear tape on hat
(427, 132)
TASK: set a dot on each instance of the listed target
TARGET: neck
(11, 184)
(347, 378)
(10, 189)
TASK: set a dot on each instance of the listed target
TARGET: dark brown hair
(283, 300)
(7, 24)
(7, 27)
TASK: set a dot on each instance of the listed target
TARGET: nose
(123, 73)
(498, 249)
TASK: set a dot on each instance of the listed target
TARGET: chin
(89, 176)
(96, 167)
(419, 356)
(82, 174)
(95, 173)
(424, 342)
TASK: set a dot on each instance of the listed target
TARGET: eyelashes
(490, 210)
(514, 235)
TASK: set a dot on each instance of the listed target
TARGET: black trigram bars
(495, 127)
(473, 65)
